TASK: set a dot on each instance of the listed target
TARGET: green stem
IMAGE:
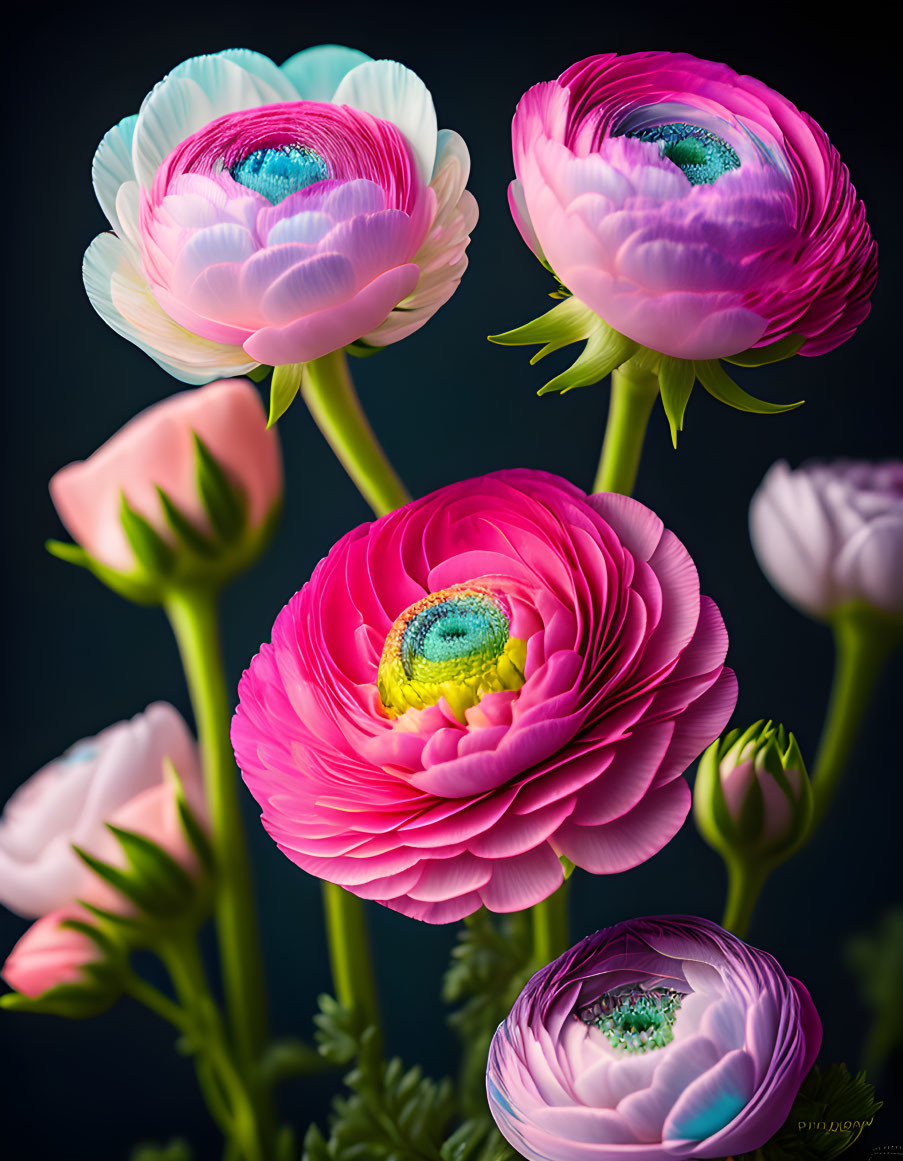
(551, 930)
(329, 394)
(744, 887)
(633, 393)
(349, 953)
(226, 1091)
(193, 615)
(864, 640)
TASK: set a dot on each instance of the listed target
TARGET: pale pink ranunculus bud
(118, 777)
(831, 534)
(158, 451)
(49, 955)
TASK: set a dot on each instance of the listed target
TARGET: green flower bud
(752, 800)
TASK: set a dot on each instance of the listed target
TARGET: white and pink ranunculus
(830, 534)
(117, 777)
(271, 215)
(156, 450)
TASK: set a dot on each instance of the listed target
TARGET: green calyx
(188, 555)
(606, 350)
(767, 753)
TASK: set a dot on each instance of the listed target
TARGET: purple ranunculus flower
(664, 1037)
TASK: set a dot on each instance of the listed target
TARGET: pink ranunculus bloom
(829, 534)
(117, 777)
(657, 1038)
(502, 673)
(695, 210)
(271, 215)
(157, 450)
(49, 955)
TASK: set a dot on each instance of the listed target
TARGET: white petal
(121, 297)
(316, 72)
(261, 66)
(112, 166)
(390, 91)
(191, 96)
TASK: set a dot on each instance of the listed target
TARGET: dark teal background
(446, 405)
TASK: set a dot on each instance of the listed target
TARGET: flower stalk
(633, 394)
(329, 393)
(192, 613)
(551, 929)
(864, 640)
(349, 953)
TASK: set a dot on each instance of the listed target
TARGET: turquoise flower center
(634, 1020)
(453, 638)
(697, 152)
(454, 644)
(277, 173)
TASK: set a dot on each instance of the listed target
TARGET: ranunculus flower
(271, 215)
(657, 1038)
(752, 798)
(117, 777)
(830, 534)
(157, 450)
(501, 673)
(48, 955)
(696, 211)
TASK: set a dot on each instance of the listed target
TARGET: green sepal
(676, 378)
(259, 373)
(72, 1001)
(192, 829)
(190, 537)
(224, 504)
(784, 348)
(283, 389)
(571, 321)
(360, 349)
(132, 586)
(719, 384)
(151, 551)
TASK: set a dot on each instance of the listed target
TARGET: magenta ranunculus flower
(271, 215)
(657, 1038)
(831, 534)
(695, 210)
(502, 673)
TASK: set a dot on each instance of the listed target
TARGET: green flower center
(698, 153)
(634, 1020)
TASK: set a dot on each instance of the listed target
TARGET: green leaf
(831, 1111)
(259, 373)
(389, 1113)
(761, 356)
(283, 389)
(151, 551)
(491, 962)
(676, 378)
(224, 504)
(72, 1001)
(290, 1057)
(876, 958)
(176, 1150)
(183, 528)
(719, 384)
